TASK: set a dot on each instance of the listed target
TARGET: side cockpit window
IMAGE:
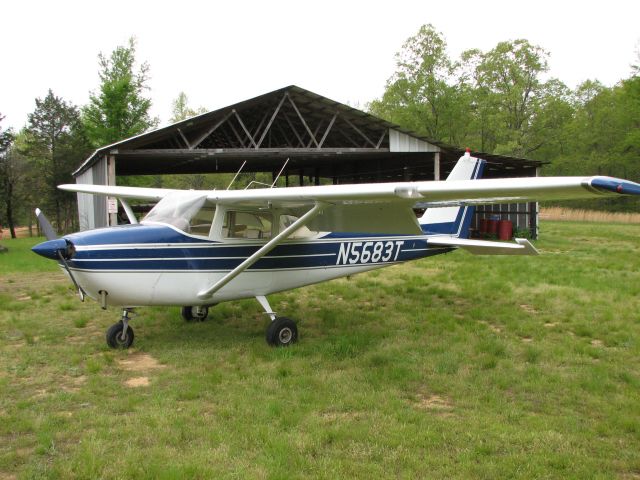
(303, 232)
(201, 222)
(248, 225)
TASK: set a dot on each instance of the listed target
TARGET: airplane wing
(138, 193)
(386, 207)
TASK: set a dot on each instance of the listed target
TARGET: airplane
(196, 248)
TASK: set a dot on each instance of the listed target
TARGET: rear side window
(248, 225)
(302, 232)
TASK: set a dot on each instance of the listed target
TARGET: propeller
(45, 225)
(56, 248)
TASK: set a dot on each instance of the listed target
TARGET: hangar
(315, 139)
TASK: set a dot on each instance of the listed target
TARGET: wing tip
(615, 185)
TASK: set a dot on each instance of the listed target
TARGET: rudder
(454, 221)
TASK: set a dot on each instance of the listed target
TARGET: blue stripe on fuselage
(138, 248)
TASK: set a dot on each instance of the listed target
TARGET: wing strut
(266, 248)
(127, 208)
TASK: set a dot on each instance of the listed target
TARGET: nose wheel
(120, 335)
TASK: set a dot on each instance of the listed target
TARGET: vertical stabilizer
(454, 221)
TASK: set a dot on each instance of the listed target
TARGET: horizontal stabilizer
(484, 247)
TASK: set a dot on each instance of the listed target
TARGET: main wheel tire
(190, 314)
(282, 332)
(115, 339)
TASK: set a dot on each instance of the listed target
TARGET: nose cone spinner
(50, 248)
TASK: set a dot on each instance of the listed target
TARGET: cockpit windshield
(187, 211)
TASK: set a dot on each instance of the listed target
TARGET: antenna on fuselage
(266, 184)
(280, 172)
(236, 175)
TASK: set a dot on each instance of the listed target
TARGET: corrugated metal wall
(401, 142)
(92, 209)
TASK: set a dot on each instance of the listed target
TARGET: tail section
(454, 221)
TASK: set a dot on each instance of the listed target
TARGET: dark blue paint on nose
(50, 248)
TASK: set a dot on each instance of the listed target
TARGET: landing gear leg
(120, 335)
(282, 331)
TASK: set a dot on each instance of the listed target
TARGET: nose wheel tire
(194, 314)
(115, 337)
(282, 332)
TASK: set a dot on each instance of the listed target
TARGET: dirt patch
(597, 343)
(550, 324)
(40, 393)
(527, 339)
(24, 451)
(73, 384)
(137, 382)
(492, 327)
(528, 309)
(139, 362)
(434, 403)
(7, 476)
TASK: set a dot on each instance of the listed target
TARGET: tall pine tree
(55, 141)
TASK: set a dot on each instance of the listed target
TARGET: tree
(55, 141)
(181, 109)
(511, 93)
(7, 177)
(423, 94)
(119, 110)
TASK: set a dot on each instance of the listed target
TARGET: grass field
(451, 367)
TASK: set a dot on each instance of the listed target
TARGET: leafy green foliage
(55, 143)
(498, 101)
(119, 109)
(181, 109)
(8, 178)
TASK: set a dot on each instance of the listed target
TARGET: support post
(112, 218)
(535, 210)
(436, 166)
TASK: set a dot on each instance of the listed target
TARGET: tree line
(501, 101)
(497, 101)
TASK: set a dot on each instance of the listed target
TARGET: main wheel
(195, 314)
(115, 339)
(282, 332)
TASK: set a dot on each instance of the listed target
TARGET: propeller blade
(45, 226)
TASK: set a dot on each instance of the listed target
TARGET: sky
(223, 52)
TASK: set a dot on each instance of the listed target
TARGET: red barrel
(505, 229)
(483, 226)
(492, 227)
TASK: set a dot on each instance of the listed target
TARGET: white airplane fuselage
(143, 265)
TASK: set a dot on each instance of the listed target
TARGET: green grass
(451, 367)
(20, 258)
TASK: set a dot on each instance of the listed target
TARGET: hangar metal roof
(318, 136)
